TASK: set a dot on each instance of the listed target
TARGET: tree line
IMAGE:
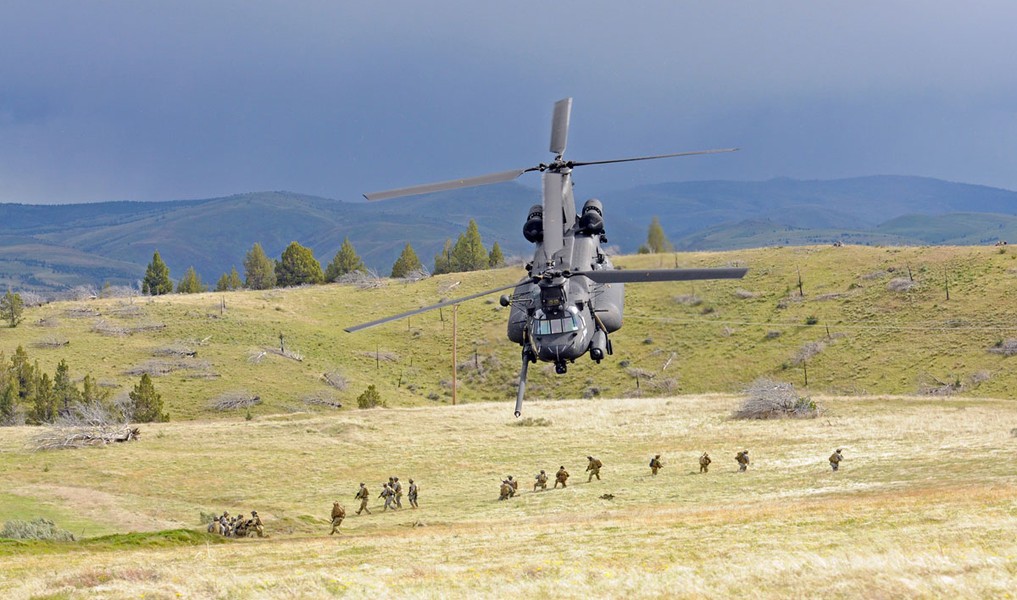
(298, 266)
(30, 395)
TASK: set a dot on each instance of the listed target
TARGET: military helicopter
(572, 297)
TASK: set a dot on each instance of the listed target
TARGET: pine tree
(91, 393)
(26, 377)
(190, 283)
(146, 402)
(406, 263)
(65, 393)
(157, 277)
(229, 282)
(656, 240)
(259, 269)
(11, 308)
(496, 259)
(469, 254)
(345, 261)
(8, 392)
(44, 410)
(370, 398)
(443, 260)
(297, 267)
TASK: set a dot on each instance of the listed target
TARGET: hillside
(862, 327)
(48, 248)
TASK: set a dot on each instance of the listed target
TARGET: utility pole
(455, 314)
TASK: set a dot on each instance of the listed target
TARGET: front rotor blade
(621, 160)
(560, 125)
(453, 184)
(649, 275)
(431, 307)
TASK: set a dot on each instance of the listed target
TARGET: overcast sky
(128, 100)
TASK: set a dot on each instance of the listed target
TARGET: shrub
(370, 398)
(811, 320)
(769, 399)
(39, 529)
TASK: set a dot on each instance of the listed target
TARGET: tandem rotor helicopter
(572, 297)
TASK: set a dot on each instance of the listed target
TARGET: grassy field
(871, 321)
(925, 504)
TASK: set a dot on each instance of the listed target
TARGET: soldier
(362, 495)
(388, 495)
(505, 491)
(338, 514)
(594, 468)
(835, 459)
(541, 481)
(412, 495)
(256, 524)
(561, 477)
(514, 485)
(704, 463)
(655, 465)
(743, 460)
(397, 489)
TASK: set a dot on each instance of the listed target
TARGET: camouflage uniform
(743, 460)
(363, 496)
(338, 514)
(835, 459)
(541, 481)
(397, 489)
(506, 490)
(256, 524)
(514, 485)
(412, 494)
(655, 465)
(594, 468)
(704, 463)
(388, 495)
(561, 477)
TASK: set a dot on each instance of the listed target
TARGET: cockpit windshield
(567, 323)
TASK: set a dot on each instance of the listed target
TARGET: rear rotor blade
(560, 125)
(453, 184)
(621, 160)
(431, 307)
(649, 275)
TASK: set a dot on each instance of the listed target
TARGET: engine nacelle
(533, 230)
(592, 220)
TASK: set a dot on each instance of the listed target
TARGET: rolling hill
(48, 248)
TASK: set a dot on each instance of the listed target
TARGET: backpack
(651, 463)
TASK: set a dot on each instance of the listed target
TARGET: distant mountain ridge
(49, 247)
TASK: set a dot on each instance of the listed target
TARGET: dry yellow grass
(925, 504)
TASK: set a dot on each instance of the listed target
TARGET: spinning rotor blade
(453, 184)
(648, 275)
(560, 125)
(427, 308)
(621, 160)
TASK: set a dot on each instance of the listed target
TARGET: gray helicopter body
(572, 297)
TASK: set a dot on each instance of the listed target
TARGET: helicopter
(571, 298)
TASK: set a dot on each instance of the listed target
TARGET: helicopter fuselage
(556, 317)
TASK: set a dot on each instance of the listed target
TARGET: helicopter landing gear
(560, 367)
(527, 359)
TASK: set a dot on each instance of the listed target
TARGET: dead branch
(84, 425)
(234, 400)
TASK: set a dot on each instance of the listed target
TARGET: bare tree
(88, 424)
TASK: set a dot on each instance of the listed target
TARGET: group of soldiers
(509, 486)
(237, 526)
(391, 491)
